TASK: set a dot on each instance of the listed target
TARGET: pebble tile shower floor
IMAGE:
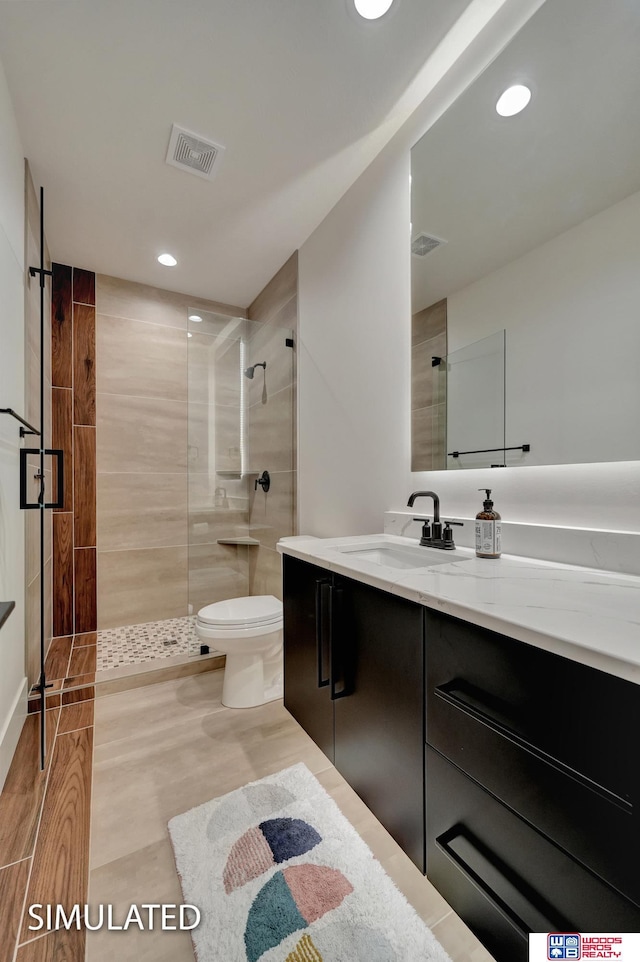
(136, 644)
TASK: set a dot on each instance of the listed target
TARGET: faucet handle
(447, 534)
(426, 530)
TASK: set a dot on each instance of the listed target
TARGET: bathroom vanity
(488, 713)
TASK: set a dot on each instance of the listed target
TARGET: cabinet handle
(339, 687)
(473, 858)
(323, 589)
(470, 700)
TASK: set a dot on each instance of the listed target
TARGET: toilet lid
(248, 612)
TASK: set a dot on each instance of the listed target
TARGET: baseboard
(11, 730)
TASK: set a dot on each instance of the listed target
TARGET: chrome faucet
(433, 535)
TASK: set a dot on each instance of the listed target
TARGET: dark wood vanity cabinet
(529, 759)
(533, 788)
(353, 678)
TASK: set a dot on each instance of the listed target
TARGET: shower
(250, 371)
(236, 432)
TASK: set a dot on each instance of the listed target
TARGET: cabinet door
(306, 649)
(377, 677)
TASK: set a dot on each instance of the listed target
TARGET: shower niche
(240, 425)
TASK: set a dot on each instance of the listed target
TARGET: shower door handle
(25, 504)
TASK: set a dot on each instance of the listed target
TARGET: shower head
(250, 371)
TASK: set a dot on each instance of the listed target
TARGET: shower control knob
(264, 481)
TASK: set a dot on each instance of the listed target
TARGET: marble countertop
(585, 614)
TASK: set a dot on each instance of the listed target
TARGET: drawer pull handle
(323, 589)
(468, 699)
(475, 860)
(339, 685)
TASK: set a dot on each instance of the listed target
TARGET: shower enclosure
(241, 456)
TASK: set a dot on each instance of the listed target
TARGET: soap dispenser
(488, 529)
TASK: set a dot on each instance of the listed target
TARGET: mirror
(531, 224)
(475, 405)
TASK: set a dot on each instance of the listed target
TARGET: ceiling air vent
(194, 154)
(423, 244)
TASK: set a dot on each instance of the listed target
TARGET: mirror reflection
(529, 222)
(475, 408)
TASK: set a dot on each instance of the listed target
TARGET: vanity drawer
(552, 739)
(502, 877)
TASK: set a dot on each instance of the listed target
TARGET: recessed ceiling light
(168, 260)
(372, 9)
(513, 100)
(195, 317)
(189, 334)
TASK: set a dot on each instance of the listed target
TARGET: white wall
(12, 571)
(354, 356)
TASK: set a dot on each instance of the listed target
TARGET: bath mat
(279, 875)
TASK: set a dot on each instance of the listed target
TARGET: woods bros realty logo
(561, 946)
(564, 946)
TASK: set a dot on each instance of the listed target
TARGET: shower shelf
(6, 607)
(245, 541)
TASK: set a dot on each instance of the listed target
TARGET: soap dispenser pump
(488, 529)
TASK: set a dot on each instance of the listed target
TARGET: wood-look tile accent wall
(61, 326)
(272, 427)
(73, 361)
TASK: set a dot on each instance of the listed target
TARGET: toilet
(249, 632)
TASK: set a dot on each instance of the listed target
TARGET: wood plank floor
(55, 947)
(164, 749)
(159, 750)
(13, 883)
(70, 665)
(44, 833)
(59, 874)
(23, 792)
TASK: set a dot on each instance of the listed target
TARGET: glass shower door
(241, 424)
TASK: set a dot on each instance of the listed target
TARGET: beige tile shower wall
(272, 427)
(142, 450)
(32, 414)
(218, 507)
(428, 400)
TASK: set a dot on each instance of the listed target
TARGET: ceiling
(294, 89)
(494, 187)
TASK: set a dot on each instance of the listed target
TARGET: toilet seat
(242, 613)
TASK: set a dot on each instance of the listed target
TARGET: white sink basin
(398, 556)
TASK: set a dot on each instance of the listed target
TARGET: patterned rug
(279, 875)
